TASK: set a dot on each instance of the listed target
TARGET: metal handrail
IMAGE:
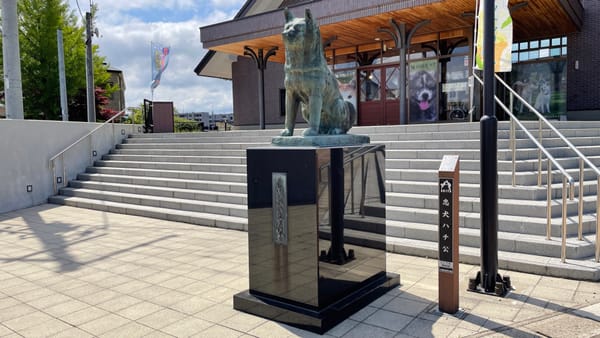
(86, 136)
(354, 154)
(582, 161)
(51, 162)
(538, 144)
(349, 158)
(542, 118)
(567, 179)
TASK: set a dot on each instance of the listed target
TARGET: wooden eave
(350, 23)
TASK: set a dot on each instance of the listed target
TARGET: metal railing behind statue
(357, 161)
(567, 179)
(361, 154)
(88, 137)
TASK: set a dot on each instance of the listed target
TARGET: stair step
(181, 152)
(240, 139)
(166, 182)
(189, 175)
(508, 242)
(180, 159)
(199, 195)
(199, 218)
(506, 223)
(583, 269)
(227, 209)
(524, 193)
(192, 145)
(505, 206)
(214, 167)
(462, 142)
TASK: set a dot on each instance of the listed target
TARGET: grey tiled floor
(68, 272)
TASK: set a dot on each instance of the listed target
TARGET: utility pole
(61, 76)
(13, 89)
(89, 69)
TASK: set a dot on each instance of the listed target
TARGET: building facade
(207, 120)
(554, 65)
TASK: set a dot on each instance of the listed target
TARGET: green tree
(38, 23)
(183, 125)
(137, 114)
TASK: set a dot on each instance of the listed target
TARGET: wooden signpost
(448, 174)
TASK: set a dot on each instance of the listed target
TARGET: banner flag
(160, 61)
(503, 27)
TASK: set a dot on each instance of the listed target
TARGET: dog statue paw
(287, 132)
(310, 132)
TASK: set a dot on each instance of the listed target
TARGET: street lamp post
(489, 160)
(488, 280)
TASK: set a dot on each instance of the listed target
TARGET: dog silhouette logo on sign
(310, 87)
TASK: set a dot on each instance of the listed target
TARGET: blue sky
(126, 30)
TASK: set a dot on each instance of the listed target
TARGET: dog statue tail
(347, 118)
(351, 113)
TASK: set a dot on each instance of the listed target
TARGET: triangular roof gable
(217, 64)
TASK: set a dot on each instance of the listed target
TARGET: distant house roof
(218, 64)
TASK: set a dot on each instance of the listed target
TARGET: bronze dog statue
(309, 84)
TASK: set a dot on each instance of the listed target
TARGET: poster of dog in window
(542, 85)
(423, 91)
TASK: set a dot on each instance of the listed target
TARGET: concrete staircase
(201, 179)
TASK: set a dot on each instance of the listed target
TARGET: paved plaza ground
(69, 272)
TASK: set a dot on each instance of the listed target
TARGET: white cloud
(126, 34)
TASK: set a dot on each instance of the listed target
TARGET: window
(538, 49)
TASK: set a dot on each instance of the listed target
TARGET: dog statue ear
(288, 15)
(308, 16)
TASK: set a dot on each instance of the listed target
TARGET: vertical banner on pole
(449, 174)
(160, 61)
(503, 32)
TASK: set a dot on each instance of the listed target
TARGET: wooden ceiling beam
(540, 18)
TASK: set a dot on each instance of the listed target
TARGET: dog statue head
(310, 87)
(301, 35)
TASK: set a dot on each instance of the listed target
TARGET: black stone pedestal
(316, 234)
(311, 319)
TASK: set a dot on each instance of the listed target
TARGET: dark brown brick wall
(583, 84)
(245, 92)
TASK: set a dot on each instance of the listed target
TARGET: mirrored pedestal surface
(316, 234)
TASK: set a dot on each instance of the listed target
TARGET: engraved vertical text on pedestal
(280, 204)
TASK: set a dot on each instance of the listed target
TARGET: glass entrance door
(455, 90)
(454, 69)
(379, 104)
